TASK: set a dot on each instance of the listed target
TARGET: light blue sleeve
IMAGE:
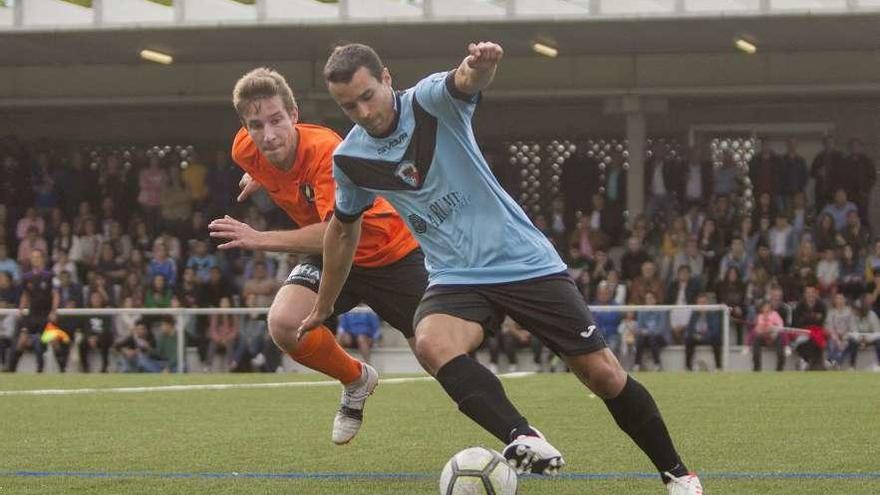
(438, 95)
(351, 200)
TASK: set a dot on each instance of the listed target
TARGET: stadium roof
(61, 14)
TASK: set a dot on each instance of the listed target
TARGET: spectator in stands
(662, 182)
(215, 289)
(223, 178)
(710, 245)
(582, 239)
(41, 300)
(151, 185)
(166, 344)
(764, 259)
(673, 243)
(201, 261)
(605, 222)
(97, 333)
(194, 177)
(855, 235)
(175, 204)
(600, 267)
(693, 221)
(43, 183)
(618, 289)
(8, 300)
(726, 176)
(65, 264)
(764, 171)
(731, 290)
(251, 343)
(196, 227)
(698, 177)
(106, 217)
(809, 314)
(859, 176)
(781, 240)
(361, 329)
(852, 273)
(84, 212)
(162, 265)
(632, 260)
(867, 325)
(768, 331)
(110, 266)
(159, 293)
(69, 290)
(188, 288)
(653, 326)
(32, 242)
(62, 240)
(86, 247)
(120, 241)
(692, 258)
(840, 322)
(112, 182)
(648, 281)
(140, 237)
(222, 332)
(807, 255)
(607, 321)
(872, 261)
(123, 324)
(558, 221)
(260, 286)
(757, 290)
(172, 244)
(839, 209)
(10, 266)
(736, 257)
(30, 219)
(681, 291)
(749, 235)
(703, 328)
(793, 168)
(75, 182)
(137, 351)
(801, 217)
(828, 273)
(827, 162)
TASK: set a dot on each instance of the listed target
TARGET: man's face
(37, 261)
(271, 127)
(367, 101)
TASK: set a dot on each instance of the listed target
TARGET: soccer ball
(477, 471)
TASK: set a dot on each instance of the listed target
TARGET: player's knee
(282, 329)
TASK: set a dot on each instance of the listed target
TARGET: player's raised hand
(315, 319)
(483, 55)
(248, 186)
(236, 234)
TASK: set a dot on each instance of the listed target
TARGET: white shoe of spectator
(684, 485)
(350, 416)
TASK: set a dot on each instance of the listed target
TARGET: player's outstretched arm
(478, 69)
(237, 234)
(340, 243)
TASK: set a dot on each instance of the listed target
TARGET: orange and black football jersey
(306, 191)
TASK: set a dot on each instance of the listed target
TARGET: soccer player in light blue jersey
(485, 260)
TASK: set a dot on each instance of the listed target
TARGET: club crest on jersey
(408, 173)
(419, 225)
(308, 192)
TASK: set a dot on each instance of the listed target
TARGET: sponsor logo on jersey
(419, 225)
(443, 208)
(308, 192)
(395, 142)
(408, 173)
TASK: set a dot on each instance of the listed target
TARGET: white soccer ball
(477, 471)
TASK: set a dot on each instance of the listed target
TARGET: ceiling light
(545, 50)
(746, 46)
(158, 57)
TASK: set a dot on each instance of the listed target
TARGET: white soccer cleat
(684, 485)
(534, 454)
(350, 416)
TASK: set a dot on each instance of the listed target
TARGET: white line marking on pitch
(215, 386)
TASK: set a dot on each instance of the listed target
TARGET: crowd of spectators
(777, 234)
(128, 228)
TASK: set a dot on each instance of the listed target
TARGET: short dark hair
(347, 59)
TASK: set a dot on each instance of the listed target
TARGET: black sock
(636, 413)
(480, 396)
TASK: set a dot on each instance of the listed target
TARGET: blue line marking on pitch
(419, 476)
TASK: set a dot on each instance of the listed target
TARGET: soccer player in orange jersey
(293, 163)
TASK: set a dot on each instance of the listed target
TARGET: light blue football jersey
(431, 170)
